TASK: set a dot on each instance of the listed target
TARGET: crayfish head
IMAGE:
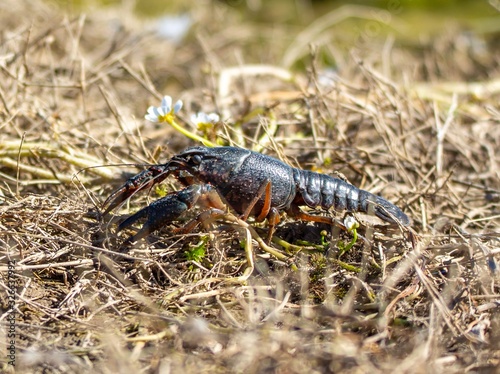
(210, 165)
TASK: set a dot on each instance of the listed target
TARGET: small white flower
(201, 118)
(163, 112)
(350, 223)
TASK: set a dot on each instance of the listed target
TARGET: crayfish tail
(389, 212)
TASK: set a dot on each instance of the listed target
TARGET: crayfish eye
(196, 159)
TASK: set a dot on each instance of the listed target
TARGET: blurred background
(290, 34)
(422, 15)
(300, 11)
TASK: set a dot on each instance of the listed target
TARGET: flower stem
(189, 134)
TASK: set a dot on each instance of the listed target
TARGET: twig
(441, 132)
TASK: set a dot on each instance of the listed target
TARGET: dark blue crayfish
(252, 184)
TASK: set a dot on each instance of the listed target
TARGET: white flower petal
(177, 106)
(213, 117)
(151, 117)
(158, 114)
(350, 222)
(163, 111)
(202, 117)
(166, 102)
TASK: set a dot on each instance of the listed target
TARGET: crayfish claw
(115, 199)
(133, 219)
(147, 178)
(163, 211)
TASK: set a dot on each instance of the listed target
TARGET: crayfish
(251, 183)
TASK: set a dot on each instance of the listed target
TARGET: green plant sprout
(197, 252)
(351, 225)
(324, 242)
(161, 190)
(306, 245)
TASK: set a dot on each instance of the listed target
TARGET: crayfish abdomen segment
(327, 192)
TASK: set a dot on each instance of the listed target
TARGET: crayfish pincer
(251, 184)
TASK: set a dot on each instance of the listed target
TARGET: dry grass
(73, 92)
